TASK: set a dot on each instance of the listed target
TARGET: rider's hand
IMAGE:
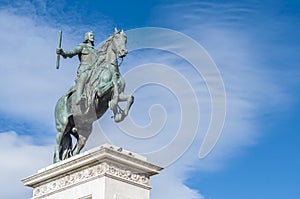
(59, 51)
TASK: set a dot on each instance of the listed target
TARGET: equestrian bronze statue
(98, 86)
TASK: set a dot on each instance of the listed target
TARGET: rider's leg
(80, 84)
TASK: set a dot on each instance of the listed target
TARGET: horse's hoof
(118, 118)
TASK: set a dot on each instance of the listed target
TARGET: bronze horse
(104, 89)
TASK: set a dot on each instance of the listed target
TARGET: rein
(120, 62)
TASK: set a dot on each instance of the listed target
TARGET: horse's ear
(122, 31)
(116, 30)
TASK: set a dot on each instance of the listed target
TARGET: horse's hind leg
(63, 145)
(66, 147)
(81, 135)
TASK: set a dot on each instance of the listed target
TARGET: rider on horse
(98, 79)
(87, 55)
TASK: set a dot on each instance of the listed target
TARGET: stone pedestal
(105, 172)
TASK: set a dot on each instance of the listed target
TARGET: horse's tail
(63, 146)
(62, 113)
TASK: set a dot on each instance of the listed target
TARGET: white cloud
(20, 158)
(29, 83)
(30, 86)
(167, 185)
(250, 84)
(31, 75)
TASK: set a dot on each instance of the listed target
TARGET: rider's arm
(71, 53)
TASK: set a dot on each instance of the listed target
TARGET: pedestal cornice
(106, 160)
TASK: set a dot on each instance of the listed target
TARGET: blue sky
(254, 45)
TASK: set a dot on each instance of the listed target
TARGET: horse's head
(119, 41)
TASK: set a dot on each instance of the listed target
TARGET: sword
(59, 46)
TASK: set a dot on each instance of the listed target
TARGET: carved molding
(89, 173)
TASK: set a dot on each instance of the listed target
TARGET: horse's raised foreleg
(113, 103)
(119, 114)
(115, 98)
(129, 98)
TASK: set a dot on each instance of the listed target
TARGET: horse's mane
(103, 50)
(98, 67)
(104, 46)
